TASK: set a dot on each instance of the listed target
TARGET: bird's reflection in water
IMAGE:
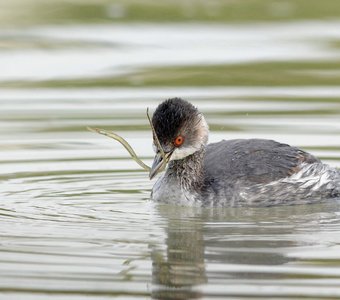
(176, 275)
(226, 240)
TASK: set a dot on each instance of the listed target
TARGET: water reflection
(176, 274)
(237, 246)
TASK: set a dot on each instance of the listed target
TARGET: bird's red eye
(178, 141)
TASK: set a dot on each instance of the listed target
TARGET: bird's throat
(189, 171)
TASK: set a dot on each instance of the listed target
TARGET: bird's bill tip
(158, 164)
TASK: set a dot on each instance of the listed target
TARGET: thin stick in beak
(126, 145)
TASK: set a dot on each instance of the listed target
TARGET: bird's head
(181, 131)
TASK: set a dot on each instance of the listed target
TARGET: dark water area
(76, 219)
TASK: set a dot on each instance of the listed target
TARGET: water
(76, 220)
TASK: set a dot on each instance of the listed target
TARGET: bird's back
(255, 170)
(254, 160)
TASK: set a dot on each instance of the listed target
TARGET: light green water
(76, 221)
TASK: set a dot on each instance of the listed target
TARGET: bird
(237, 172)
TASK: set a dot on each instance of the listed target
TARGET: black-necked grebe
(253, 172)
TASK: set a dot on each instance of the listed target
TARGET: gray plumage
(253, 172)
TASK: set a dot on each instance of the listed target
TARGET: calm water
(76, 220)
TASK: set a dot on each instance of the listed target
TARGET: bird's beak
(159, 164)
